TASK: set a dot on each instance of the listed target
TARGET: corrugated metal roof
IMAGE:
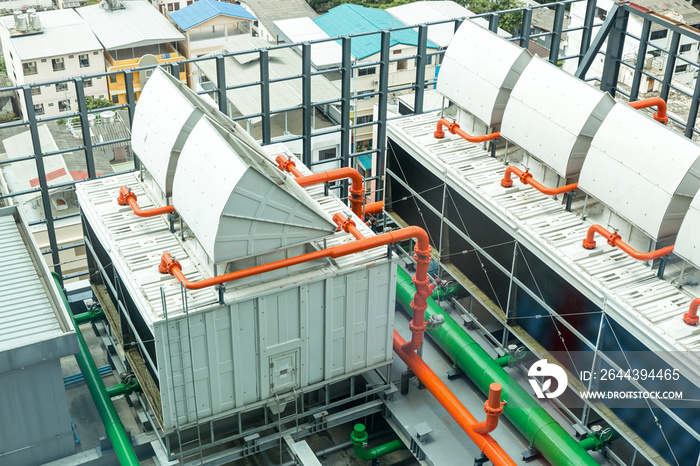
(268, 12)
(416, 13)
(204, 10)
(137, 25)
(299, 30)
(353, 19)
(65, 32)
(283, 63)
(26, 314)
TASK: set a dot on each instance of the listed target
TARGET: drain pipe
(359, 437)
(615, 240)
(113, 425)
(691, 317)
(544, 433)
(357, 188)
(453, 128)
(661, 116)
(127, 197)
(526, 178)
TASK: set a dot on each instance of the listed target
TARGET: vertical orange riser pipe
(691, 317)
(452, 405)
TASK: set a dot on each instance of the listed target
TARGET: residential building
(283, 94)
(133, 34)
(59, 45)
(268, 12)
(207, 25)
(659, 41)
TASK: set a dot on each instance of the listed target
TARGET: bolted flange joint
(663, 120)
(167, 262)
(343, 223)
(690, 319)
(125, 195)
(506, 182)
(526, 175)
(284, 163)
(612, 239)
(588, 244)
(493, 411)
(416, 328)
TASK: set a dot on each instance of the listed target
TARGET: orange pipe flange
(493, 451)
(661, 114)
(526, 178)
(691, 317)
(127, 197)
(424, 289)
(493, 408)
(453, 128)
(374, 208)
(357, 188)
(615, 240)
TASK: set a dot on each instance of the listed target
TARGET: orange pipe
(493, 408)
(661, 116)
(453, 128)
(691, 317)
(526, 178)
(126, 197)
(347, 225)
(615, 240)
(452, 405)
(424, 289)
(357, 189)
(374, 208)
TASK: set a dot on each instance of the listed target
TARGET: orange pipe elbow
(526, 178)
(453, 128)
(615, 240)
(493, 451)
(357, 189)
(493, 408)
(661, 114)
(691, 317)
(127, 197)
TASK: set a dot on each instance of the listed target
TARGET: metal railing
(613, 30)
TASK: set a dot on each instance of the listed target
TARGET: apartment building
(49, 46)
(133, 34)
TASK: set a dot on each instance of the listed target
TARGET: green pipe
(440, 295)
(544, 433)
(502, 361)
(113, 425)
(122, 388)
(595, 441)
(359, 442)
(88, 316)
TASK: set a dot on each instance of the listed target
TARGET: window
(181, 68)
(87, 82)
(84, 60)
(61, 87)
(95, 53)
(177, 6)
(681, 68)
(396, 51)
(658, 34)
(369, 91)
(685, 48)
(36, 90)
(365, 119)
(43, 60)
(58, 64)
(113, 78)
(115, 99)
(170, 7)
(189, 2)
(402, 65)
(327, 154)
(39, 109)
(64, 105)
(601, 13)
(29, 68)
(366, 71)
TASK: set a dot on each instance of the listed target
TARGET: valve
(435, 321)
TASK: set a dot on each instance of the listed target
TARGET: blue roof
(365, 161)
(203, 10)
(352, 19)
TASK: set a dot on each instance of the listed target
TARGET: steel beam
(306, 103)
(641, 55)
(670, 65)
(265, 95)
(383, 107)
(421, 61)
(555, 38)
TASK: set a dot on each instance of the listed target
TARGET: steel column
(383, 103)
(670, 65)
(221, 84)
(41, 174)
(613, 54)
(265, 96)
(555, 38)
(306, 102)
(525, 28)
(421, 61)
(693, 111)
(85, 127)
(493, 22)
(345, 103)
(131, 108)
(641, 55)
(587, 33)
